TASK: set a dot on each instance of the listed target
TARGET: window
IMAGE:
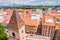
(27, 32)
(22, 31)
(6, 30)
(58, 20)
(34, 16)
(27, 12)
(13, 34)
(51, 19)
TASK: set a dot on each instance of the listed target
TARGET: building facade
(48, 25)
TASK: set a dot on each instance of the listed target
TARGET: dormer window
(51, 19)
(35, 16)
(58, 20)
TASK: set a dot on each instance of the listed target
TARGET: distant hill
(29, 6)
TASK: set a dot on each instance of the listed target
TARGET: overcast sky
(30, 2)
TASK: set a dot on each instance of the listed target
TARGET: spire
(15, 21)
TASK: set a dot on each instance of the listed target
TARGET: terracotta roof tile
(28, 21)
(47, 16)
(26, 18)
(58, 26)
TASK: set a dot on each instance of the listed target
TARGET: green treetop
(3, 35)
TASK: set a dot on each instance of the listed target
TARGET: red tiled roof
(46, 16)
(58, 26)
(28, 21)
(26, 18)
(5, 21)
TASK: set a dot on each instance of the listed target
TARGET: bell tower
(16, 27)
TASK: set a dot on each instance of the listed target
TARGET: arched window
(13, 34)
(22, 31)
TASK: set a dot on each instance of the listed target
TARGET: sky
(30, 2)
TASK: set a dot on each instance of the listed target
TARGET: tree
(43, 9)
(3, 35)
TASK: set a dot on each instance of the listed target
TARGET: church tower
(16, 27)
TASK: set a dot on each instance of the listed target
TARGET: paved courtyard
(37, 37)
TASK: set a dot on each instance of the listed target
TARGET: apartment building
(48, 25)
